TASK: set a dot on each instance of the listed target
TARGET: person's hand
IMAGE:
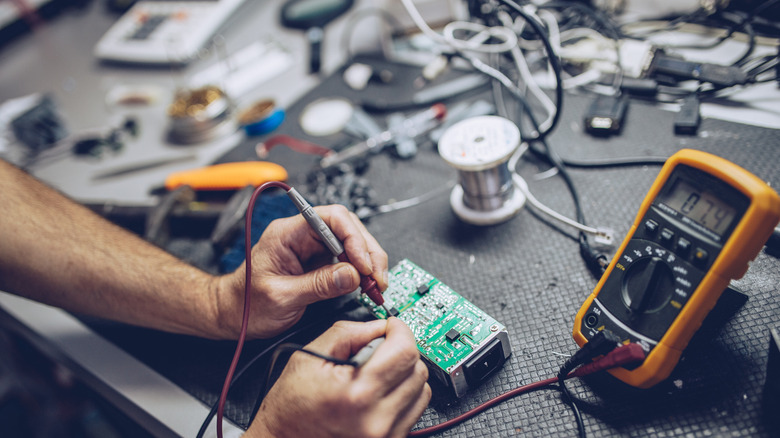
(291, 269)
(315, 398)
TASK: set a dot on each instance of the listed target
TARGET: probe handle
(365, 353)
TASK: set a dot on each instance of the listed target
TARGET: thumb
(345, 338)
(329, 281)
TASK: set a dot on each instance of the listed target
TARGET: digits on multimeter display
(700, 206)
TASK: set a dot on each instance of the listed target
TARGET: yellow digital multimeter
(702, 222)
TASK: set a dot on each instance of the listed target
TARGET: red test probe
(367, 284)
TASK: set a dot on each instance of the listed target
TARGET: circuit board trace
(451, 332)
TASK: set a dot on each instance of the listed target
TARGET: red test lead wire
(247, 297)
(367, 284)
(623, 355)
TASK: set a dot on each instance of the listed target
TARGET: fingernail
(342, 278)
(368, 261)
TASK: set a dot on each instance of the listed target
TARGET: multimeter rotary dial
(648, 289)
(647, 285)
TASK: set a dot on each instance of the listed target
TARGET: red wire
(620, 356)
(247, 297)
(468, 414)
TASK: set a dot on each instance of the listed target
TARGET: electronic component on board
(461, 344)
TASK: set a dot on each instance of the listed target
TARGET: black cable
(615, 162)
(292, 348)
(610, 27)
(595, 262)
(555, 63)
(601, 344)
(249, 365)
(569, 400)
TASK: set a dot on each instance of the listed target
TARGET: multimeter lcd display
(700, 206)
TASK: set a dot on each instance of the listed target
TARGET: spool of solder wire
(479, 148)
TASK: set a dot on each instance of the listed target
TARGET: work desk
(526, 272)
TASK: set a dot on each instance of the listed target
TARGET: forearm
(55, 251)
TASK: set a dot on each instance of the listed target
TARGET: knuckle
(408, 354)
(343, 328)
(359, 398)
(336, 210)
(376, 429)
(421, 370)
(322, 283)
(427, 393)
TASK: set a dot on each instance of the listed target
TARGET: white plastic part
(326, 116)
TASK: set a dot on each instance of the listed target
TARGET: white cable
(529, 81)
(521, 184)
(483, 33)
(406, 203)
(602, 234)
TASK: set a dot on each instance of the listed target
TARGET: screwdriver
(367, 284)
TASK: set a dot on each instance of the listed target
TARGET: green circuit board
(448, 328)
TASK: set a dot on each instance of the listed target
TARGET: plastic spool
(479, 148)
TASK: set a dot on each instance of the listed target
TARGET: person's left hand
(291, 268)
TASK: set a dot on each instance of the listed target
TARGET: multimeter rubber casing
(703, 220)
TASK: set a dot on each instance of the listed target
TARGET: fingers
(326, 282)
(345, 338)
(409, 417)
(396, 358)
(363, 250)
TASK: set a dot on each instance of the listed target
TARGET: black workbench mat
(527, 274)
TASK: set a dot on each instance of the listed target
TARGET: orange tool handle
(227, 176)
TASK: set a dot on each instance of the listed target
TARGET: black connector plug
(688, 119)
(602, 343)
(605, 115)
(773, 243)
(719, 75)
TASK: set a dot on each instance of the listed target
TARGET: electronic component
(701, 223)
(687, 120)
(460, 343)
(452, 335)
(164, 32)
(605, 115)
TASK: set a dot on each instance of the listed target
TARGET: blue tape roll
(267, 124)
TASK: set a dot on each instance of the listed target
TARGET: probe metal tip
(387, 311)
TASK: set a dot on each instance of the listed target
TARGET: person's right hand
(313, 397)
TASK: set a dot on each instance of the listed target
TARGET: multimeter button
(700, 256)
(651, 226)
(683, 245)
(667, 235)
(591, 320)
